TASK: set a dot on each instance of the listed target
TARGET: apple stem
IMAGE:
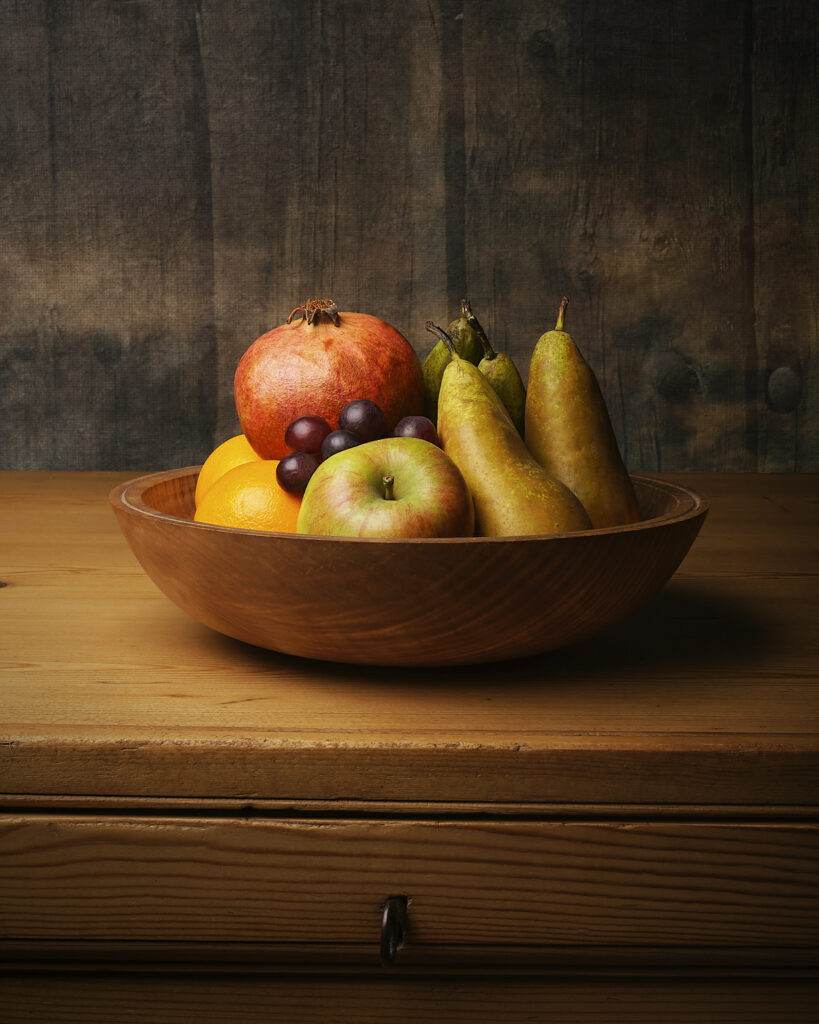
(388, 482)
(561, 314)
(472, 320)
(445, 338)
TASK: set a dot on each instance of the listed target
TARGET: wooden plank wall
(176, 176)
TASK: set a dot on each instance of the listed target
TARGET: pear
(467, 345)
(569, 432)
(513, 495)
(501, 372)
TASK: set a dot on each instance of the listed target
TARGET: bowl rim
(128, 496)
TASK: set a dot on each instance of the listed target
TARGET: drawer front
(496, 884)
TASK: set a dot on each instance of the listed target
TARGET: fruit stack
(345, 433)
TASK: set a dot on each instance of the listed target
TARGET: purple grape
(338, 441)
(294, 471)
(417, 426)
(364, 418)
(306, 433)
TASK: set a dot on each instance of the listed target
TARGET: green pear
(467, 345)
(513, 495)
(501, 372)
(569, 432)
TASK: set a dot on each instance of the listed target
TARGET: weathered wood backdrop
(176, 175)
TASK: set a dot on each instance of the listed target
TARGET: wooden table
(195, 829)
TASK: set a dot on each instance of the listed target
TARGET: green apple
(393, 487)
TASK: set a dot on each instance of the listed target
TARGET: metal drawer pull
(393, 927)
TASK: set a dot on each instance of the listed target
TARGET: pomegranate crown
(314, 309)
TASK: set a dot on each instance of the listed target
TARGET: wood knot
(678, 378)
(783, 390)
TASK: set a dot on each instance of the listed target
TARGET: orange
(250, 497)
(236, 451)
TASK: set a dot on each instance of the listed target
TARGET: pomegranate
(314, 364)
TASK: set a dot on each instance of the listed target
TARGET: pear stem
(561, 313)
(445, 338)
(472, 320)
(388, 482)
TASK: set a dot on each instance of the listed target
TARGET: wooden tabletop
(707, 698)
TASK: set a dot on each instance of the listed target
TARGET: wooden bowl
(442, 601)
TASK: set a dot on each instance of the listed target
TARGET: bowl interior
(172, 494)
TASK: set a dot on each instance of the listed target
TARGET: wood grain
(176, 176)
(708, 695)
(108, 340)
(62, 998)
(785, 171)
(639, 805)
(467, 883)
(594, 174)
